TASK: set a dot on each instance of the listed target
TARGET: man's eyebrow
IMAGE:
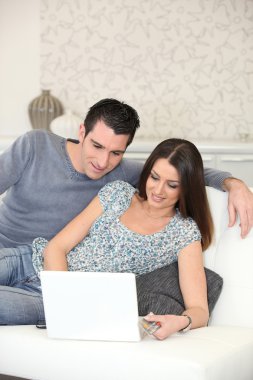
(102, 146)
(97, 143)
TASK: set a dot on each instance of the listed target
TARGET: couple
(50, 180)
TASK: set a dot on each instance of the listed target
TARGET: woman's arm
(194, 290)
(57, 249)
(192, 281)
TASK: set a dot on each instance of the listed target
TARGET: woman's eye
(172, 186)
(153, 177)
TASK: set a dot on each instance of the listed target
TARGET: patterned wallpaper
(185, 65)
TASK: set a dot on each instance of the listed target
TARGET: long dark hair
(185, 157)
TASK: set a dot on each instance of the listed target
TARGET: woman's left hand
(170, 324)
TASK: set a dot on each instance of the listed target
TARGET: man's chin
(95, 175)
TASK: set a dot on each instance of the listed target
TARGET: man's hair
(120, 117)
(185, 157)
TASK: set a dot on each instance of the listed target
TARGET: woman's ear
(81, 133)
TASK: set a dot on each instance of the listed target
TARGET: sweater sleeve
(214, 178)
(13, 162)
(132, 170)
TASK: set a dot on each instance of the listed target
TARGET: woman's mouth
(157, 198)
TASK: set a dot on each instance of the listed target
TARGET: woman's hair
(185, 157)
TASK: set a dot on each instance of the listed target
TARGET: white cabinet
(240, 165)
(231, 156)
(234, 157)
(209, 160)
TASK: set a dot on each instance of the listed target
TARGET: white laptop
(91, 305)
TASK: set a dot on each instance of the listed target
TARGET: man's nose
(103, 160)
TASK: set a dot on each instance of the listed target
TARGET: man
(50, 180)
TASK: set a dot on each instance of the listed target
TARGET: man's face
(101, 150)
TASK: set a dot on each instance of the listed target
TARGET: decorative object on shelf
(66, 125)
(244, 136)
(43, 109)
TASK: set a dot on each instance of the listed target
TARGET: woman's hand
(170, 324)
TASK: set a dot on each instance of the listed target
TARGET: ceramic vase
(66, 125)
(43, 109)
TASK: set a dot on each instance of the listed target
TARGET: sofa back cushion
(218, 205)
(232, 258)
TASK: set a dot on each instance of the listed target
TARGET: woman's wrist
(187, 323)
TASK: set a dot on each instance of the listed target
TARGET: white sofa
(224, 350)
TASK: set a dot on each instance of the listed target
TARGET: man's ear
(81, 133)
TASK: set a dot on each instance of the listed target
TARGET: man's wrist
(229, 182)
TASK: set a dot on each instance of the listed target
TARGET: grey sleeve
(132, 170)
(13, 162)
(214, 178)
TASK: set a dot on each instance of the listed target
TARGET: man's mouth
(97, 168)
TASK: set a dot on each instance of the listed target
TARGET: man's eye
(116, 154)
(97, 146)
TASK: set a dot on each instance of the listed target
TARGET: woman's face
(163, 185)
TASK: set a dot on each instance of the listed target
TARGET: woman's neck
(154, 213)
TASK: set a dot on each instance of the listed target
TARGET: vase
(66, 125)
(43, 109)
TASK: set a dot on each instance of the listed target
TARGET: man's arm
(240, 198)
(240, 201)
(215, 178)
(13, 161)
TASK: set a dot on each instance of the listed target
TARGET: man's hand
(240, 201)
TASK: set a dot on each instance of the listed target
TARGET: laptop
(91, 305)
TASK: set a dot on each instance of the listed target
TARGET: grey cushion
(159, 291)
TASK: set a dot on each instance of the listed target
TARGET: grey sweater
(44, 192)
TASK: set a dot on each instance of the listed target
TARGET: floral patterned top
(112, 247)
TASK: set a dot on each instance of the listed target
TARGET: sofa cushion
(208, 353)
(234, 262)
(159, 291)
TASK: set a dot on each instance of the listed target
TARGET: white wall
(19, 63)
(185, 65)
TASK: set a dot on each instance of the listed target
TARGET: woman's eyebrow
(169, 180)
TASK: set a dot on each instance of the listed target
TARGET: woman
(125, 230)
